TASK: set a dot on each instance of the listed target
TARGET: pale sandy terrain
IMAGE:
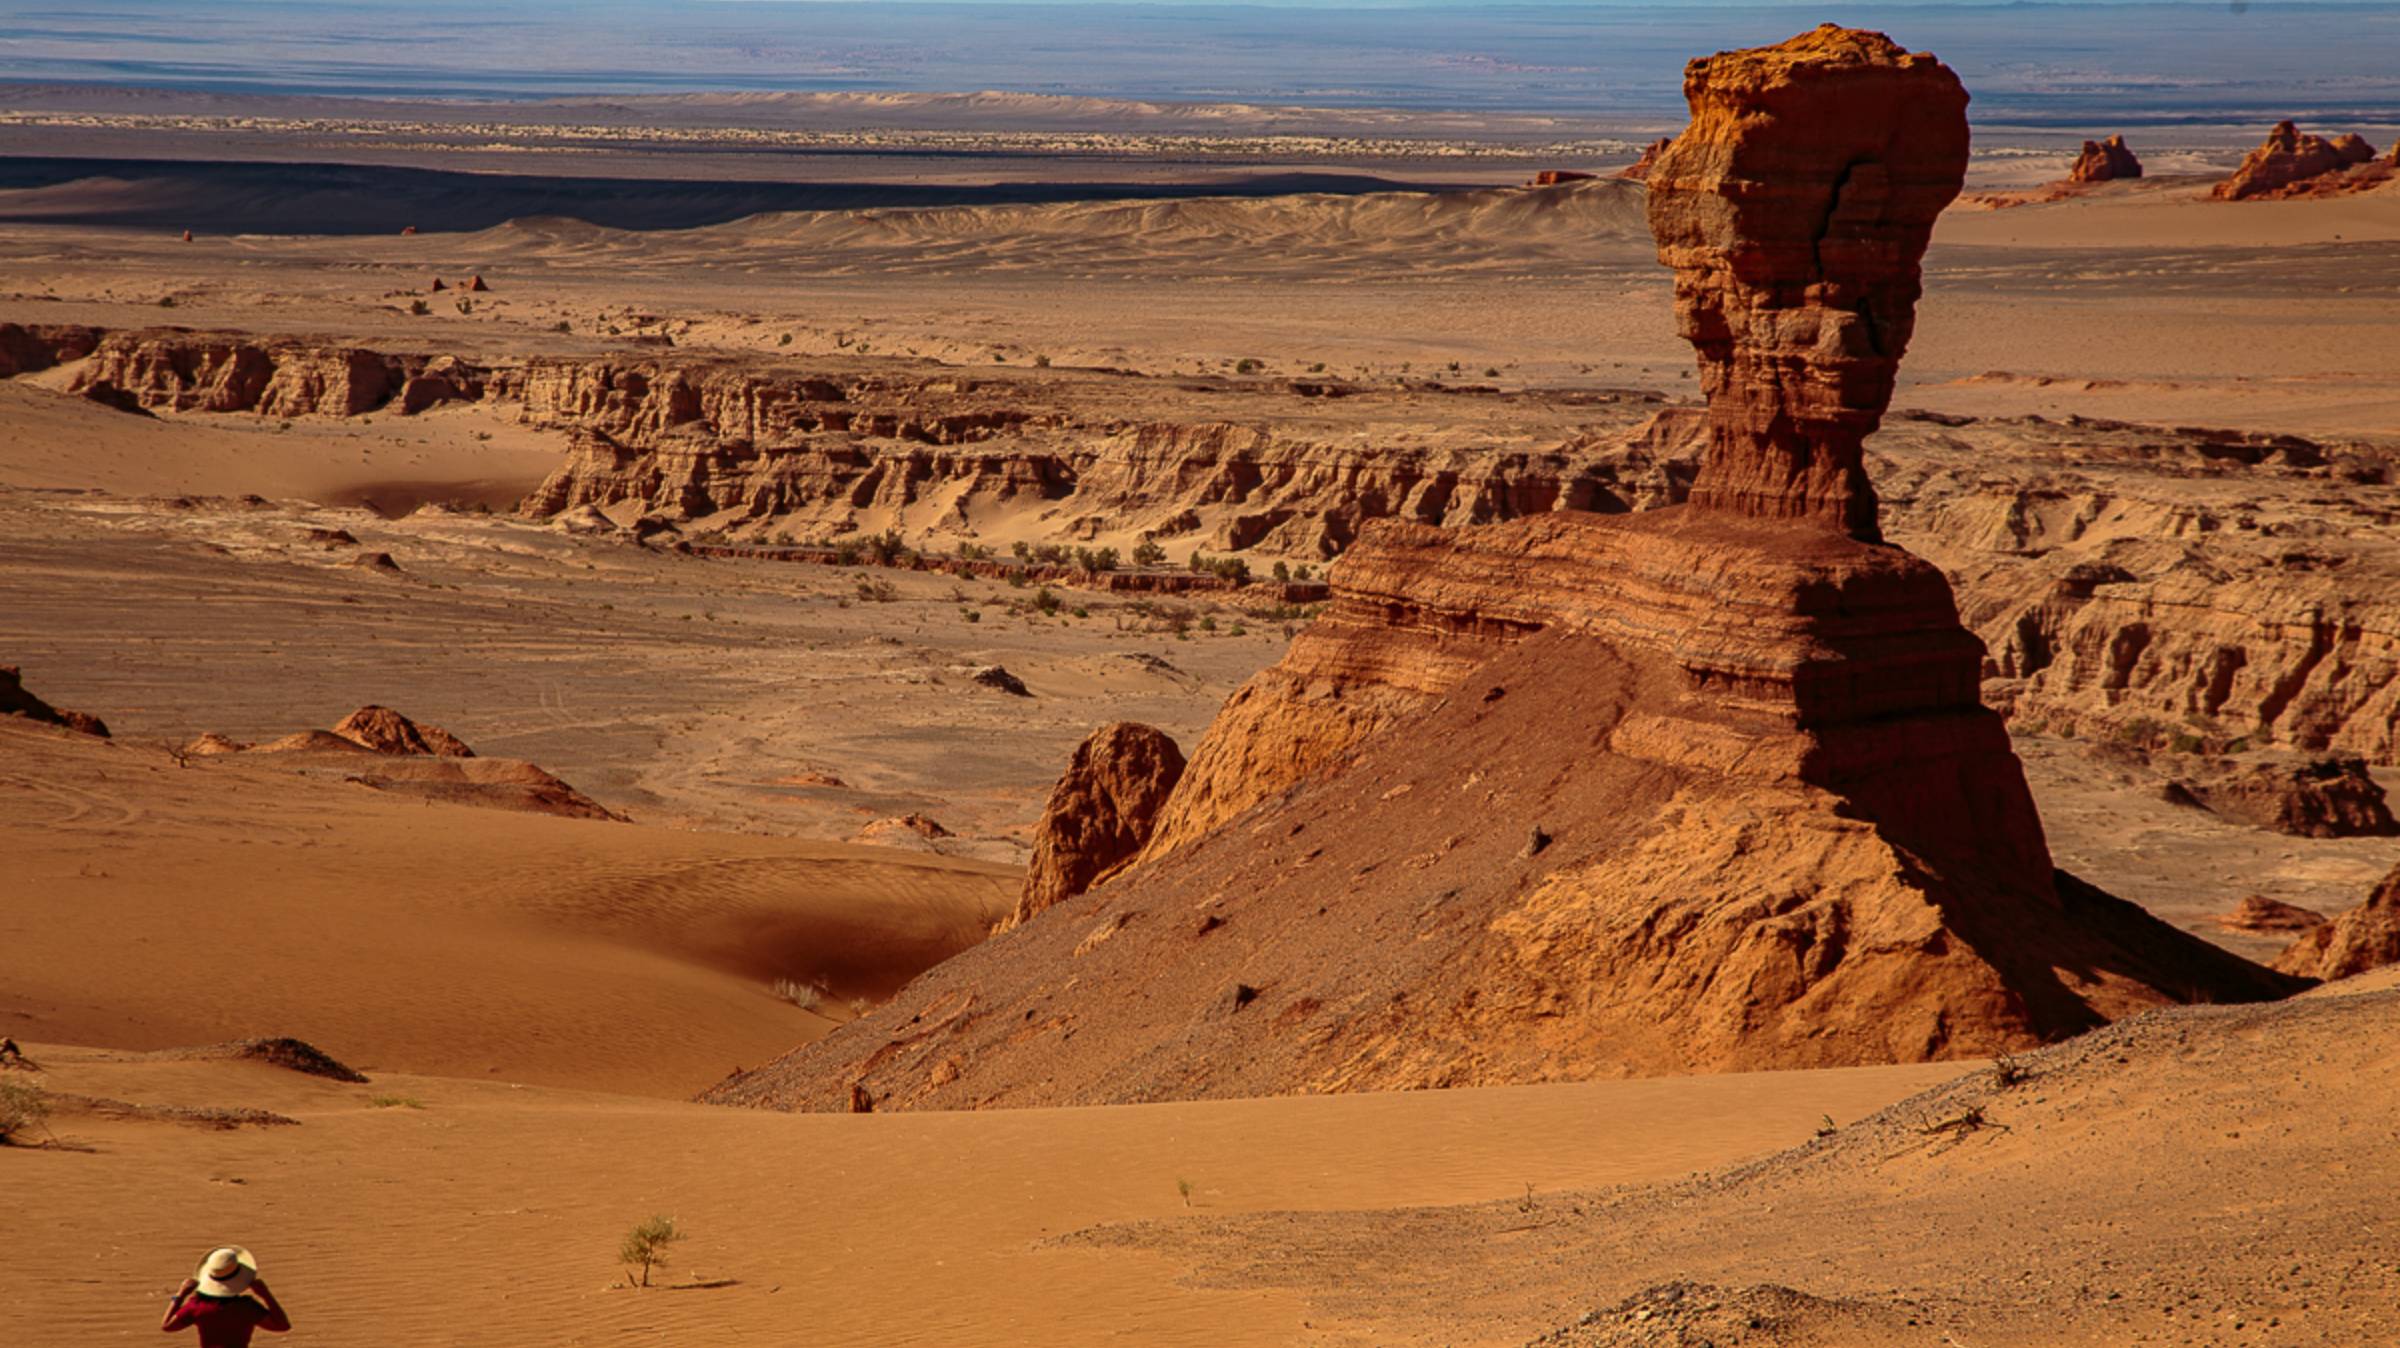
(855, 1230)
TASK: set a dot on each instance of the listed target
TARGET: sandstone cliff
(1576, 795)
(18, 700)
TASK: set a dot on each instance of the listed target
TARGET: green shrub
(646, 1246)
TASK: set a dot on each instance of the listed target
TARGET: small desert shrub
(1042, 361)
(1248, 365)
(2009, 1070)
(786, 340)
(646, 1246)
(420, 308)
(562, 325)
(973, 552)
(1149, 553)
(1183, 1187)
(1046, 601)
(971, 615)
(1093, 561)
(22, 1108)
(877, 591)
(1490, 373)
(1208, 624)
(396, 1102)
(806, 996)
(1021, 550)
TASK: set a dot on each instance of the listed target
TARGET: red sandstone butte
(1794, 211)
(1557, 177)
(2104, 161)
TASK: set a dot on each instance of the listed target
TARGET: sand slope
(854, 1230)
(155, 905)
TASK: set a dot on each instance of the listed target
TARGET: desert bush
(877, 591)
(1046, 602)
(1248, 365)
(806, 996)
(1021, 550)
(22, 1109)
(647, 1245)
(1149, 553)
(395, 1102)
(971, 615)
(1093, 561)
(973, 552)
(419, 308)
(886, 547)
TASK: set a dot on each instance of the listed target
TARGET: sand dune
(164, 905)
(874, 1230)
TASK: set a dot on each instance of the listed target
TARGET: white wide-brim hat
(228, 1271)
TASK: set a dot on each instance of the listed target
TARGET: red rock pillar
(1795, 209)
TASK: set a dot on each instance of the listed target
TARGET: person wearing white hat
(226, 1301)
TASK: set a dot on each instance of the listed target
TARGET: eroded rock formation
(2365, 937)
(2293, 163)
(1794, 211)
(1640, 168)
(1100, 815)
(2320, 798)
(2104, 161)
(1570, 796)
(388, 732)
(18, 700)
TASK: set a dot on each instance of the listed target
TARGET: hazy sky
(2135, 61)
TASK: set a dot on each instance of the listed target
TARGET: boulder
(1101, 814)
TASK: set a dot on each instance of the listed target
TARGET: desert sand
(1259, 354)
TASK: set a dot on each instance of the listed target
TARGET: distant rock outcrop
(2292, 163)
(2263, 916)
(2319, 798)
(388, 732)
(1101, 814)
(1560, 177)
(2104, 161)
(1705, 788)
(17, 700)
(1640, 168)
(2365, 937)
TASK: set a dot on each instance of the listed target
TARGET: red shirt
(225, 1322)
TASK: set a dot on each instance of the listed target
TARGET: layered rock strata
(1794, 211)
(1694, 789)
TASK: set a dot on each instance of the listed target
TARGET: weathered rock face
(17, 700)
(222, 372)
(1640, 168)
(388, 732)
(2366, 937)
(1578, 795)
(1101, 814)
(29, 347)
(1794, 211)
(2291, 163)
(2104, 161)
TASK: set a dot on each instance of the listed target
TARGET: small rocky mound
(2366, 937)
(2104, 161)
(1101, 814)
(388, 732)
(2263, 916)
(1701, 1315)
(2322, 798)
(332, 538)
(496, 783)
(210, 744)
(2292, 163)
(375, 561)
(295, 1055)
(17, 700)
(906, 829)
(998, 679)
(1558, 177)
(1640, 168)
